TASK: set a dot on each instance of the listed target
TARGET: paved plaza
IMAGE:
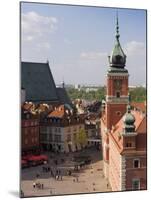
(88, 179)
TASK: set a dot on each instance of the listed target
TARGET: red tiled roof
(27, 106)
(59, 112)
(139, 105)
(140, 124)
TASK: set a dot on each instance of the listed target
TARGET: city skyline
(78, 39)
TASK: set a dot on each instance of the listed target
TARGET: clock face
(118, 84)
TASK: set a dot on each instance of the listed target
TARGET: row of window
(47, 129)
(31, 123)
(31, 130)
(32, 140)
(58, 129)
(56, 138)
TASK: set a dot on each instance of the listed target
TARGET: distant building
(90, 89)
(60, 129)
(123, 131)
(77, 87)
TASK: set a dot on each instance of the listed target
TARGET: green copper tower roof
(117, 59)
(129, 121)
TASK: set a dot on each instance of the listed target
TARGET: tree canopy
(137, 94)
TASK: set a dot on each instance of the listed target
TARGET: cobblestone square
(88, 179)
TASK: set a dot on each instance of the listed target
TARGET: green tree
(138, 94)
(81, 138)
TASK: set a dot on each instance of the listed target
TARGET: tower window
(136, 163)
(118, 113)
(128, 144)
(117, 94)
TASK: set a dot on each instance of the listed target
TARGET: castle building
(123, 130)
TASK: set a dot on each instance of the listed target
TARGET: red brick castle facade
(123, 130)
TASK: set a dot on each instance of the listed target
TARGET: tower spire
(117, 58)
(117, 26)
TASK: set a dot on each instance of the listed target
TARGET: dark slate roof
(63, 96)
(38, 82)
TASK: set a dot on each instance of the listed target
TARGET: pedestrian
(37, 175)
(34, 185)
(107, 185)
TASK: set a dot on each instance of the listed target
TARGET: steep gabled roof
(63, 96)
(38, 82)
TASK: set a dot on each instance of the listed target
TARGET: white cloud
(67, 41)
(135, 48)
(34, 25)
(92, 55)
(44, 45)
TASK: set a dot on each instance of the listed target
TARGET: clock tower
(117, 84)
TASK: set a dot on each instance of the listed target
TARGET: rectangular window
(68, 138)
(57, 138)
(135, 184)
(44, 137)
(136, 163)
(26, 141)
(128, 144)
(117, 94)
(50, 137)
(26, 131)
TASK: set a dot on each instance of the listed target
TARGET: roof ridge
(34, 62)
(141, 122)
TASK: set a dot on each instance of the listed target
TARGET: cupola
(129, 121)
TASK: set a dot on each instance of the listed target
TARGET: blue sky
(77, 41)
